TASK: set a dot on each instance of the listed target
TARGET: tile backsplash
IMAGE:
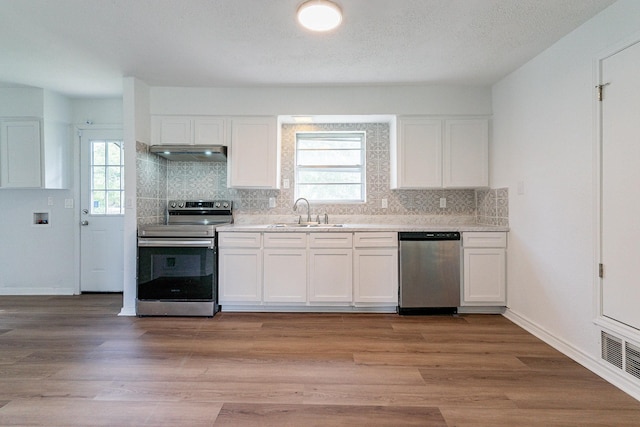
(493, 206)
(160, 180)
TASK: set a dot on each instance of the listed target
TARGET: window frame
(93, 166)
(362, 167)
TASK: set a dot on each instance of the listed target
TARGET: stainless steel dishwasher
(429, 272)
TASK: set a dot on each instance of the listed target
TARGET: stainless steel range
(177, 261)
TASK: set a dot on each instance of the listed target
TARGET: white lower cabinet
(285, 268)
(315, 270)
(330, 278)
(239, 268)
(330, 267)
(375, 268)
(484, 264)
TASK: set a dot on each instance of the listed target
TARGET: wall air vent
(632, 360)
(612, 349)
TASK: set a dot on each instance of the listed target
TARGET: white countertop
(291, 228)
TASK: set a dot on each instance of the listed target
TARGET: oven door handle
(176, 243)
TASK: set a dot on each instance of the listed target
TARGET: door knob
(85, 211)
(85, 222)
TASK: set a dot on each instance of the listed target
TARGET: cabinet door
(330, 275)
(285, 275)
(171, 130)
(375, 276)
(484, 277)
(254, 153)
(209, 131)
(20, 154)
(240, 275)
(418, 154)
(466, 153)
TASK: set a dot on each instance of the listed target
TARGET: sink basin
(294, 225)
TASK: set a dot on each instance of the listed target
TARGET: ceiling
(83, 48)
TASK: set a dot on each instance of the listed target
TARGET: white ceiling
(85, 47)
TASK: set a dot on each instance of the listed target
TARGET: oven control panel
(200, 205)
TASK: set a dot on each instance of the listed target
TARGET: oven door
(176, 269)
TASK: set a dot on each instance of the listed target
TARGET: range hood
(191, 153)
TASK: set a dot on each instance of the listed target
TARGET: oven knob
(225, 205)
(217, 204)
(181, 205)
(173, 205)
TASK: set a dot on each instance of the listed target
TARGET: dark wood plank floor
(71, 361)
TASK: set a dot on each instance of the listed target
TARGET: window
(107, 178)
(330, 166)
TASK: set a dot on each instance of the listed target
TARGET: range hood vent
(191, 153)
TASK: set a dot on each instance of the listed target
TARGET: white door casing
(101, 229)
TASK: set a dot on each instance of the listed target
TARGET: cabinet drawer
(375, 239)
(330, 240)
(487, 239)
(239, 240)
(285, 240)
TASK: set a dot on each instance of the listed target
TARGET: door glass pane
(107, 183)
(113, 178)
(99, 177)
(98, 205)
(114, 153)
(98, 152)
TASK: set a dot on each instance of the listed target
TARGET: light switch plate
(443, 202)
(50, 201)
(272, 202)
(285, 183)
(68, 203)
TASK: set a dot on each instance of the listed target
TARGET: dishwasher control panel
(429, 235)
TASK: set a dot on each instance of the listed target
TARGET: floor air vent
(632, 360)
(612, 350)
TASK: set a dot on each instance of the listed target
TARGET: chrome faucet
(295, 207)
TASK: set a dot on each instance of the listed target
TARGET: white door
(101, 211)
(620, 178)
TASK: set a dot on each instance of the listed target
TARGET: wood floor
(71, 361)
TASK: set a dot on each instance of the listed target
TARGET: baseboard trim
(18, 291)
(596, 366)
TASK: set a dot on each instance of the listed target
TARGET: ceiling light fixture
(319, 15)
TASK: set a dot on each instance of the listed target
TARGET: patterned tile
(160, 180)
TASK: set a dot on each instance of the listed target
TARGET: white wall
(136, 127)
(97, 111)
(433, 100)
(38, 259)
(544, 137)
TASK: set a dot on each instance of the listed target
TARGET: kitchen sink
(313, 225)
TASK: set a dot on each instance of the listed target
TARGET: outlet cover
(272, 202)
(383, 204)
(443, 202)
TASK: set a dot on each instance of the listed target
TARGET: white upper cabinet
(209, 131)
(33, 155)
(254, 153)
(36, 147)
(416, 156)
(466, 153)
(188, 130)
(440, 153)
(20, 154)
